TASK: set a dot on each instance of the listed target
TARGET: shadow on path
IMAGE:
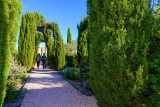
(47, 89)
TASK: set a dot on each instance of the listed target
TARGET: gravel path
(47, 89)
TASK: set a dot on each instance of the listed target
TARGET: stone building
(42, 50)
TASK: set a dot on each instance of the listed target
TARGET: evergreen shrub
(16, 71)
(11, 93)
(72, 60)
(84, 63)
(72, 73)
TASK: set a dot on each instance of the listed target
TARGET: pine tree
(69, 36)
(9, 16)
(82, 47)
(119, 38)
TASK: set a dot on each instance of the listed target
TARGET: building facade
(42, 50)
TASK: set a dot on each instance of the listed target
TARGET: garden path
(47, 89)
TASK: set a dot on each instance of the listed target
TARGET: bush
(17, 72)
(71, 73)
(84, 62)
(24, 75)
(72, 60)
(11, 93)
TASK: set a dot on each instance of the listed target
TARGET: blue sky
(67, 13)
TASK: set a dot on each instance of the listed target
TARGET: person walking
(38, 59)
(44, 59)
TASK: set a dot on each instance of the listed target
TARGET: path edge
(21, 96)
(87, 93)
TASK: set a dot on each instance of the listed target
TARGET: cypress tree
(59, 48)
(82, 47)
(69, 36)
(27, 39)
(49, 44)
(119, 38)
(9, 16)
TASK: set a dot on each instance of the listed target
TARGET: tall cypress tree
(69, 36)
(82, 48)
(27, 38)
(49, 44)
(9, 16)
(119, 39)
(59, 48)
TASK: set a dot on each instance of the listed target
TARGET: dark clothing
(44, 58)
(38, 63)
(44, 65)
(38, 59)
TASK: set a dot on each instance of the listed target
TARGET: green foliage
(153, 87)
(72, 73)
(84, 62)
(71, 49)
(24, 75)
(119, 33)
(82, 48)
(33, 30)
(15, 55)
(155, 66)
(69, 37)
(11, 93)
(72, 60)
(58, 48)
(49, 44)
(38, 39)
(10, 13)
(155, 37)
(26, 43)
(16, 72)
(152, 98)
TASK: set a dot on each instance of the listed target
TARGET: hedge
(119, 33)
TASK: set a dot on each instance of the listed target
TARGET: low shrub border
(87, 93)
(21, 97)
